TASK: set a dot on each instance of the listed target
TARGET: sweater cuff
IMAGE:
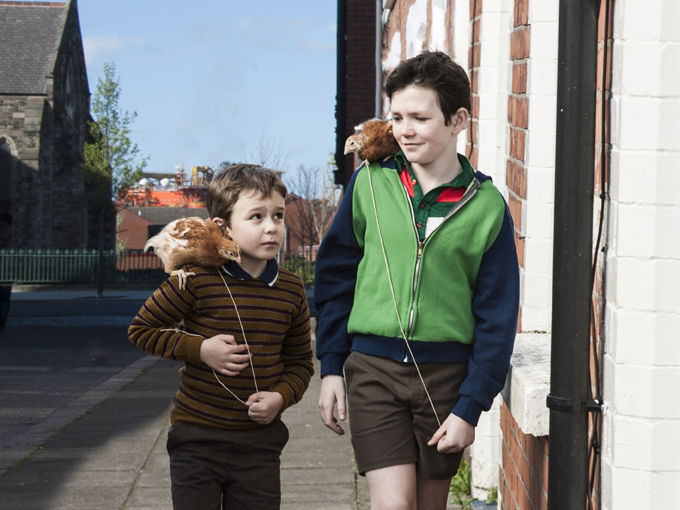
(193, 349)
(468, 410)
(287, 394)
(332, 364)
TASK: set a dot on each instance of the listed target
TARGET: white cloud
(98, 48)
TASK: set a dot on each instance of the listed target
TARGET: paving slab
(95, 461)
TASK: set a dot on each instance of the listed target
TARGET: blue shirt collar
(270, 275)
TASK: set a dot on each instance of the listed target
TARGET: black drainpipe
(341, 96)
(572, 255)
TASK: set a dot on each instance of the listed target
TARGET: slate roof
(29, 34)
(164, 215)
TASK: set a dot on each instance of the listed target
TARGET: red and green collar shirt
(430, 209)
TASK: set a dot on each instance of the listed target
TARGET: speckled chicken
(192, 241)
(375, 142)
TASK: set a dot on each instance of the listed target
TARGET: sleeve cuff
(468, 410)
(287, 394)
(332, 364)
(194, 349)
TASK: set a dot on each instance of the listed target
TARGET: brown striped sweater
(275, 316)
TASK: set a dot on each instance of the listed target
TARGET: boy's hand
(221, 353)
(453, 436)
(332, 391)
(267, 408)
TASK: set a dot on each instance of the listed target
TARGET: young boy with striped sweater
(246, 351)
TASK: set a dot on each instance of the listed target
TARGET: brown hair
(227, 185)
(436, 71)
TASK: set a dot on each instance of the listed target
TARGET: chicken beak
(348, 145)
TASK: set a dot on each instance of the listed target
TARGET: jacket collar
(270, 275)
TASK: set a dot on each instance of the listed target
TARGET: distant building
(44, 110)
(138, 224)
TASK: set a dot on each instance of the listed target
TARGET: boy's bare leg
(399, 488)
(432, 494)
(393, 487)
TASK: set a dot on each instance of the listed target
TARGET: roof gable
(29, 35)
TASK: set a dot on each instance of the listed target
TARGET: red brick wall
(518, 120)
(523, 474)
(598, 303)
(474, 57)
(133, 230)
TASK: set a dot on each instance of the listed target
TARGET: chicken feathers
(192, 241)
(375, 142)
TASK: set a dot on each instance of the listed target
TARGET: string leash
(394, 297)
(250, 359)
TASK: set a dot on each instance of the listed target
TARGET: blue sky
(210, 78)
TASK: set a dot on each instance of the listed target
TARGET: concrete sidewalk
(113, 456)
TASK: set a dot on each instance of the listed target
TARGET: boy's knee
(396, 502)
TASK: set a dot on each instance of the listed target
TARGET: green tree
(112, 163)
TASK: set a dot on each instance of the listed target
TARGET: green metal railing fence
(80, 266)
(117, 267)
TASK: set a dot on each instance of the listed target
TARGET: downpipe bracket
(574, 405)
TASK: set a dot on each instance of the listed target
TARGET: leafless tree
(315, 198)
(269, 153)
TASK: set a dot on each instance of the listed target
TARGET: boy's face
(257, 227)
(419, 127)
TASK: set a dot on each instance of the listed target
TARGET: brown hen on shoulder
(375, 142)
(192, 241)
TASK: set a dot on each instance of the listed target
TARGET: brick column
(523, 482)
(474, 58)
(602, 162)
(518, 120)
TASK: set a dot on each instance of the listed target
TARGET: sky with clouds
(210, 79)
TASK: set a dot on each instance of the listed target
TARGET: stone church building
(44, 110)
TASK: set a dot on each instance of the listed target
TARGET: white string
(394, 298)
(250, 359)
(213, 371)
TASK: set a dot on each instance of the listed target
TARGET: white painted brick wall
(542, 112)
(537, 213)
(537, 319)
(641, 434)
(544, 37)
(542, 76)
(628, 327)
(485, 452)
(541, 186)
(493, 98)
(538, 257)
(492, 155)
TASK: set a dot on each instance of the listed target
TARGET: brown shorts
(390, 417)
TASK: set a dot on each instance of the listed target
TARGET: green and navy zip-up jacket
(457, 292)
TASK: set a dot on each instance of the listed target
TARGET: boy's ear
(220, 223)
(459, 120)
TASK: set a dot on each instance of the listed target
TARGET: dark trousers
(215, 469)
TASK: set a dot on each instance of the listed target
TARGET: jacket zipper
(469, 193)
